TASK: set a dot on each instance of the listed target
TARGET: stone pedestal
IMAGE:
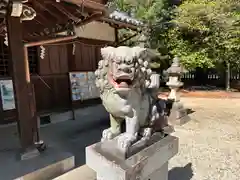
(178, 114)
(151, 163)
(79, 173)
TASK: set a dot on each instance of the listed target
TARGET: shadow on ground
(190, 111)
(183, 173)
(70, 136)
(74, 136)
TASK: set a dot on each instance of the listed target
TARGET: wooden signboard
(7, 95)
(83, 86)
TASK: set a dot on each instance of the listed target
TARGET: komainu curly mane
(141, 64)
(123, 77)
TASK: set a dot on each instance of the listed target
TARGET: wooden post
(116, 35)
(27, 119)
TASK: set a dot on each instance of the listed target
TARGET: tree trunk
(228, 71)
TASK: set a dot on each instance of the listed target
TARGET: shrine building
(43, 44)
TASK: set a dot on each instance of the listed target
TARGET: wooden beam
(39, 22)
(26, 109)
(57, 16)
(89, 19)
(121, 24)
(44, 20)
(50, 41)
(116, 35)
(63, 10)
(126, 39)
(51, 30)
(41, 15)
(89, 4)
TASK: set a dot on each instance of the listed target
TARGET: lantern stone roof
(176, 67)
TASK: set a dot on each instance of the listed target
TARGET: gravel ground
(210, 143)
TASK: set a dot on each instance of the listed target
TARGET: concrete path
(69, 136)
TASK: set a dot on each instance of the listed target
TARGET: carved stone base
(178, 114)
(149, 163)
(111, 147)
(160, 174)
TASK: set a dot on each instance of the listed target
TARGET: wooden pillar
(27, 119)
(116, 36)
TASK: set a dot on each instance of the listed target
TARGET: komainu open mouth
(122, 82)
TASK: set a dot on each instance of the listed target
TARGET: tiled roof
(123, 17)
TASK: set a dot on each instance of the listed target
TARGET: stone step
(80, 173)
(48, 165)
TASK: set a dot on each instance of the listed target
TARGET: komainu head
(123, 68)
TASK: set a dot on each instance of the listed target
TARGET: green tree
(156, 16)
(206, 32)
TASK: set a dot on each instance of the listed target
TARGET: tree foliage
(156, 15)
(206, 32)
(201, 32)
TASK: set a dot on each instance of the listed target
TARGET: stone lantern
(174, 83)
(178, 114)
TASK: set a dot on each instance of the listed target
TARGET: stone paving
(68, 136)
(209, 143)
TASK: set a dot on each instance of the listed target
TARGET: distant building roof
(125, 18)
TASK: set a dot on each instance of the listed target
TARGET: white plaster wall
(96, 30)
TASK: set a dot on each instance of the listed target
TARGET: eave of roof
(124, 18)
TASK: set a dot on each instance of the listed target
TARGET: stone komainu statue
(123, 77)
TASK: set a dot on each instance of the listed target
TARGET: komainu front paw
(125, 141)
(147, 133)
(107, 134)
